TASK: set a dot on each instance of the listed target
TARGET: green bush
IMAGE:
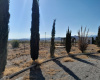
(15, 43)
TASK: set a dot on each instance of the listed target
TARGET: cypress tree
(98, 37)
(4, 20)
(93, 41)
(52, 47)
(34, 42)
(68, 41)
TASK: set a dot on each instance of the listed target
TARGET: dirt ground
(19, 59)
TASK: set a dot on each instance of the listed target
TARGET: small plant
(52, 47)
(15, 44)
(68, 41)
(82, 43)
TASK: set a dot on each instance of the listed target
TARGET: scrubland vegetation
(18, 59)
(22, 54)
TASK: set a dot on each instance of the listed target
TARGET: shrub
(15, 44)
(68, 41)
(82, 43)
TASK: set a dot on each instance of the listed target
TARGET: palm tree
(34, 42)
(4, 20)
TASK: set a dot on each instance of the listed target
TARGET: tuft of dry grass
(18, 62)
(82, 56)
(27, 64)
(43, 51)
(11, 70)
(38, 61)
(55, 55)
(67, 59)
(29, 78)
(52, 71)
(63, 52)
(26, 78)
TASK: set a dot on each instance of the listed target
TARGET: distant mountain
(48, 39)
(23, 39)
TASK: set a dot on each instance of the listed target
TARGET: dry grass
(17, 54)
(39, 61)
(44, 54)
(11, 70)
(28, 78)
(68, 59)
(27, 64)
(55, 55)
(18, 62)
(63, 52)
(52, 71)
(82, 56)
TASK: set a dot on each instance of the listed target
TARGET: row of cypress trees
(4, 20)
(67, 42)
(34, 42)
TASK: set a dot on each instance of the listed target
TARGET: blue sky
(72, 13)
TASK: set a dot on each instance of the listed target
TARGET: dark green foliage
(93, 41)
(4, 20)
(15, 43)
(68, 41)
(98, 37)
(34, 42)
(52, 47)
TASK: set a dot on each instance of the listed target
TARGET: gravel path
(80, 69)
(84, 69)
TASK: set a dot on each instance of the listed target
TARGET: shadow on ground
(67, 70)
(82, 60)
(36, 74)
(94, 56)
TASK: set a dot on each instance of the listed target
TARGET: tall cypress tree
(98, 37)
(68, 41)
(4, 20)
(52, 47)
(93, 41)
(34, 42)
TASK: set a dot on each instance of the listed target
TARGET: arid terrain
(76, 68)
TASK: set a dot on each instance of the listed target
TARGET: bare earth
(75, 68)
